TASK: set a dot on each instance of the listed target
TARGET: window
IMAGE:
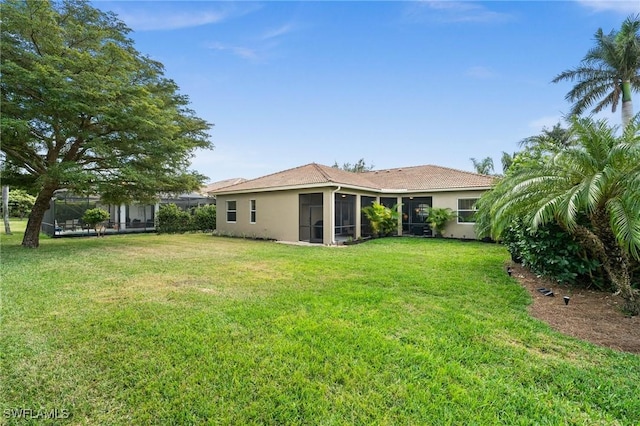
(252, 210)
(467, 210)
(231, 211)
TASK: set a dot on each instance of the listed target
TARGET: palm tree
(507, 160)
(608, 72)
(591, 189)
(557, 137)
(484, 166)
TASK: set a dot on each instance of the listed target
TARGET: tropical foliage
(83, 110)
(608, 73)
(383, 220)
(558, 137)
(484, 166)
(437, 218)
(553, 252)
(591, 189)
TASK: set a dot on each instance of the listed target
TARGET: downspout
(333, 215)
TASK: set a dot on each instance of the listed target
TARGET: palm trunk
(32, 232)
(5, 209)
(627, 104)
(615, 261)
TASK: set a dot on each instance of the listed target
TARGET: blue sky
(396, 83)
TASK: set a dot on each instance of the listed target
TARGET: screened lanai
(64, 217)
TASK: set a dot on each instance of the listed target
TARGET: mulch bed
(591, 315)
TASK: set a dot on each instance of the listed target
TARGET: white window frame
(235, 211)
(475, 209)
(252, 211)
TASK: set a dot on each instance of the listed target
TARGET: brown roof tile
(428, 177)
(407, 178)
(221, 184)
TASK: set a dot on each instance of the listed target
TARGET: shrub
(552, 252)
(384, 221)
(93, 217)
(204, 218)
(437, 218)
(172, 220)
(20, 203)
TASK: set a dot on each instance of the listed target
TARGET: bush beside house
(172, 220)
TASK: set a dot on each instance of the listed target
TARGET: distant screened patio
(64, 216)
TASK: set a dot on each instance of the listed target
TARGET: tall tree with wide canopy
(591, 188)
(82, 109)
(609, 72)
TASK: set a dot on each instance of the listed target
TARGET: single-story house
(322, 204)
(64, 216)
(214, 186)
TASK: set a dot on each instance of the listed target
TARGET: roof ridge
(425, 165)
(277, 173)
(461, 171)
(319, 167)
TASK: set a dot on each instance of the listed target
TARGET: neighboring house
(321, 204)
(208, 190)
(64, 216)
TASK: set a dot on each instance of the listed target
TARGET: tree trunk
(627, 112)
(627, 104)
(5, 209)
(32, 232)
(615, 261)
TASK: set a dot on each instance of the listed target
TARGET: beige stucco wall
(450, 200)
(444, 200)
(276, 215)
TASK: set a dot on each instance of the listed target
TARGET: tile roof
(221, 184)
(400, 179)
(428, 177)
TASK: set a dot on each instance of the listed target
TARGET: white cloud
(277, 32)
(263, 44)
(621, 6)
(169, 21)
(157, 16)
(241, 51)
(453, 11)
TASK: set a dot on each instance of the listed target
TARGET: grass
(192, 329)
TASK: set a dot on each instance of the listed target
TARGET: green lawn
(192, 329)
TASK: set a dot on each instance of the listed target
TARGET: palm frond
(598, 169)
(625, 223)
